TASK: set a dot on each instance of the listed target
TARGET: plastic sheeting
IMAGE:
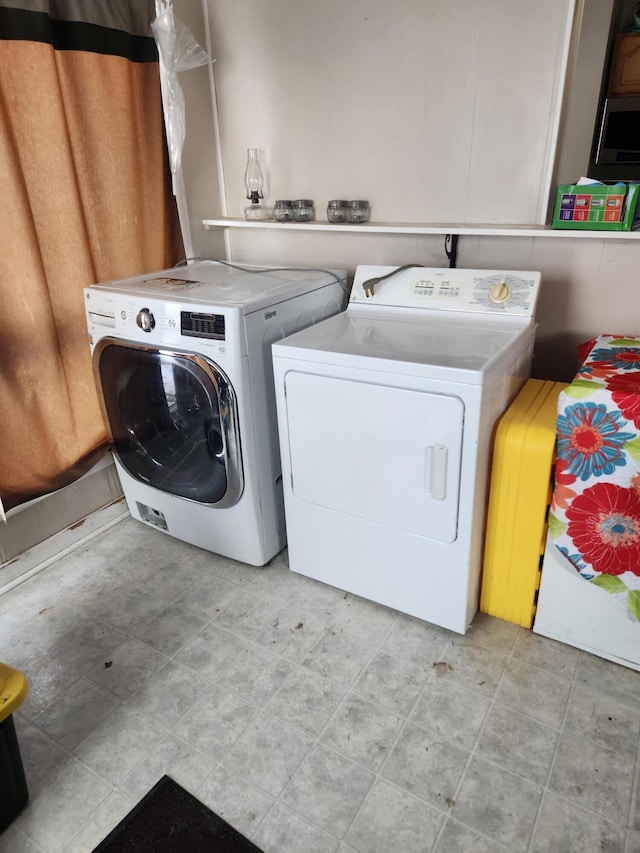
(178, 51)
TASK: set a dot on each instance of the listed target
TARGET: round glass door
(173, 420)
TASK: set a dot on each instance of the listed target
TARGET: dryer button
(145, 320)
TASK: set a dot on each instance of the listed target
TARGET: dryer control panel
(511, 292)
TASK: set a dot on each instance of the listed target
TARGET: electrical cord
(369, 285)
(337, 278)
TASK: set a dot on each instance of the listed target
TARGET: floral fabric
(595, 510)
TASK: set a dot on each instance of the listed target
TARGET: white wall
(588, 284)
(404, 104)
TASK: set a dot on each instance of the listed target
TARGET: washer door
(173, 420)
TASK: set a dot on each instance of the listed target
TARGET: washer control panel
(512, 292)
(165, 323)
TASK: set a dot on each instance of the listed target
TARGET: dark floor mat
(170, 820)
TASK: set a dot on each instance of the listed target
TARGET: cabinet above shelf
(419, 228)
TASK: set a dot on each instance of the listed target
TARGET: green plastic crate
(596, 207)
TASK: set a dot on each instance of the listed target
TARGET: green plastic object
(13, 784)
(596, 207)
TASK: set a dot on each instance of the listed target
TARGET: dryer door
(389, 455)
(173, 420)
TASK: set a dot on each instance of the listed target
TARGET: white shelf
(418, 228)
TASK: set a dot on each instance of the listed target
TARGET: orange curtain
(84, 197)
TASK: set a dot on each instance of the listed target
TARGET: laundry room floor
(309, 719)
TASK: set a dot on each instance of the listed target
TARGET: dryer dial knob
(145, 320)
(500, 292)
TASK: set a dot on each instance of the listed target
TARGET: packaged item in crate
(596, 207)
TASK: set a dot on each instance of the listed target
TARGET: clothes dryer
(182, 362)
(386, 414)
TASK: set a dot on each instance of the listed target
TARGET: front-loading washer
(182, 362)
(386, 414)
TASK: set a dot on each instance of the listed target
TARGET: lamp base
(257, 212)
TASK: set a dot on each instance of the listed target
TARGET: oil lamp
(254, 183)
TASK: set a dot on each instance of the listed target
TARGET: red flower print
(593, 371)
(623, 358)
(628, 358)
(604, 524)
(625, 388)
(585, 348)
(591, 440)
(562, 494)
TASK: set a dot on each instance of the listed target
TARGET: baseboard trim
(37, 558)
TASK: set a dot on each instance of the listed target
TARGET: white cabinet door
(389, 455)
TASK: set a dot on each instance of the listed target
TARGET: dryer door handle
(435, 471)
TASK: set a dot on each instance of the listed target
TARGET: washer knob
(500, 292)
(145, 320)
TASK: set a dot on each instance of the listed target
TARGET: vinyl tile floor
(309, 719)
